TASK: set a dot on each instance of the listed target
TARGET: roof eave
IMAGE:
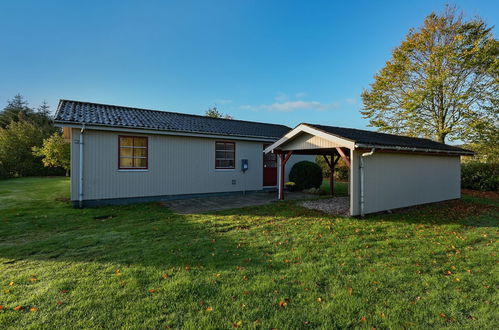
(414, 149)
(163, 131)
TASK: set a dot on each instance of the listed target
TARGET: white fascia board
(313, 131)
(162, 132)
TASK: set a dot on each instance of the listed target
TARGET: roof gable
(76, 112)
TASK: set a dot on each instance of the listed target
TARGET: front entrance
(269, 169)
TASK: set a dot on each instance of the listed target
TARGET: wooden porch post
(284, 159)
(332, 165)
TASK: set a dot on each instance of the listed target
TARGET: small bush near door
(306, 175)
(480, 176)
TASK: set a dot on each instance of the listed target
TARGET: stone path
(217, 203)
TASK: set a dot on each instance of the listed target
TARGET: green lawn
(276, 266)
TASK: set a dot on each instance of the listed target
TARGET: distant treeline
(23, 128)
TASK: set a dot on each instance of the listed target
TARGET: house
(122, 155)
(386, 171)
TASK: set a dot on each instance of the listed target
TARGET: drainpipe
(80, 181)
(362, 175)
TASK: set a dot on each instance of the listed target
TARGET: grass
(340, 188)
(275, 266)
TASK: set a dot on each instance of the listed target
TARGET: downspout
(362, 175)
(80, 181)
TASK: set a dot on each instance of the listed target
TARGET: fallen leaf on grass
(350, 291)
(18, 308)
(64, 291)
(319, 299)
(1, 307)
(152, 290)
(11, 284)
(363, 319)
(283, 303)
(33, 279)
(33, 309)
(166, 276)
(60, 302)
(209, 309)
(118, 272)
(237, 324)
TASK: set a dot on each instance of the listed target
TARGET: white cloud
(300, 94)
(281, 97)
(289, 106)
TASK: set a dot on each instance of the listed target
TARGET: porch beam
(342, 154)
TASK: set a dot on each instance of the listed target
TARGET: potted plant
(290, 186)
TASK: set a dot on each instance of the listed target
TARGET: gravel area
(336, 205)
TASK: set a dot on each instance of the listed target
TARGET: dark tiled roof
(387, 140)
(77, 112)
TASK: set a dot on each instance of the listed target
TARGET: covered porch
(310, 141)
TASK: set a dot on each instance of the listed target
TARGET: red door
(269, 168)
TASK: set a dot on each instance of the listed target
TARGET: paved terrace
(217, 203)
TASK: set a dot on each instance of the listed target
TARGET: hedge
(480, 176)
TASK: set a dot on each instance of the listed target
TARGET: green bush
(341, 173)
(480, 176)
(306, 175)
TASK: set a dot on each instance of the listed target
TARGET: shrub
(341, 173)
(480, 176)
(306, 175)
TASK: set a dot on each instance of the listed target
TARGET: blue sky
(274, 61)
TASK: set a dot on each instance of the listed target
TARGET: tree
(214, 113)
(16, 109)
(16, 142)
(439, 82)
(55, 152)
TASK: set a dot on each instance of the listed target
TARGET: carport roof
(360, 139)
(375, 139)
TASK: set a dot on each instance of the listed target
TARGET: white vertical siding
(177, 165)
(395, 180)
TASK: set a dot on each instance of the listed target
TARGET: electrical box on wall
(244, 165)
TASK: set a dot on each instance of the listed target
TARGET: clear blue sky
(274, 61)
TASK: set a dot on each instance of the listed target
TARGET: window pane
(140, 142)
(218, 163)
(140, 152)
(229, 155)
(230, 163)
(140, 162)
(126, 162)
(126, 152)
(229, 146)
(126, 141)
(220, 146)
(220, 154)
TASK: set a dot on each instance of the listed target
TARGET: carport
(386, 171)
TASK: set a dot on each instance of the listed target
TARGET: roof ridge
(170, 112)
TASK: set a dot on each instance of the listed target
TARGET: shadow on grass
(144, 234)
(460, 211)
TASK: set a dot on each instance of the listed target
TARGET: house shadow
(143, 234)
(458, 211)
